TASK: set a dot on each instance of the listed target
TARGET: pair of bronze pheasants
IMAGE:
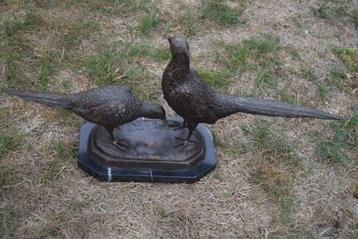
(184, 90)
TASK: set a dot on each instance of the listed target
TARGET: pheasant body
(108, 106)
(191, 98)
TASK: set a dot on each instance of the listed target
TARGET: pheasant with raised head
(191, 98)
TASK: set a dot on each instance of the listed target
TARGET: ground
(276, 178)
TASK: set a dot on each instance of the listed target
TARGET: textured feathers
(192, 99)
(232, 104)
(44, 98)
(108, 106)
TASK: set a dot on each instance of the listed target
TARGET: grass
(327, 12)
(15, 25)
(343, 78)
(186, 22)
(283, 95)
(189, 21)
(259, 55)
(42, 66)
(274, 146)
(336, 11)
(216, 139)
(7, 175)
(101, 68)
(52, 228)
(10, 138)
(7, 144)
(123, 64)
(295, 55)
(149, 21)
(338, 78)
(354, 17)
(340, 146)
(266, 76)
(14, 46)
(50, 171)
(148, 51)
(46, 68)
(111, 66)
(65, 118)
(146, 11)
(349, 57)
(8, 215)
(115, 7)
(48, 231)
(217, 79)
(322, 89)
(220, 12)
(257, 50)
(278, 186)
(276, 166)
(76, 32)
(235, 147)
(308, 74)
(62, 152)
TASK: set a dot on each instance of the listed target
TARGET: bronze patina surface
(109, 106)
(191, 98)
(151, 144)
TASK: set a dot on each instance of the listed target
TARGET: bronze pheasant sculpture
(108, 106)
(190, 97)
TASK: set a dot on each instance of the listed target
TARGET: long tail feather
(44, 98)
(233, 104)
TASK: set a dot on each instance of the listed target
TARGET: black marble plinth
(151, 155)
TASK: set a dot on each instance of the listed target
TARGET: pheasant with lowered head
(108, 106)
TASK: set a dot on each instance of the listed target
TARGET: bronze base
(152, 152)
(150, 143)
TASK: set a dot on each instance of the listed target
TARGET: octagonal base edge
(112, 174)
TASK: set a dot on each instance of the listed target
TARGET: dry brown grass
(270, 181)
